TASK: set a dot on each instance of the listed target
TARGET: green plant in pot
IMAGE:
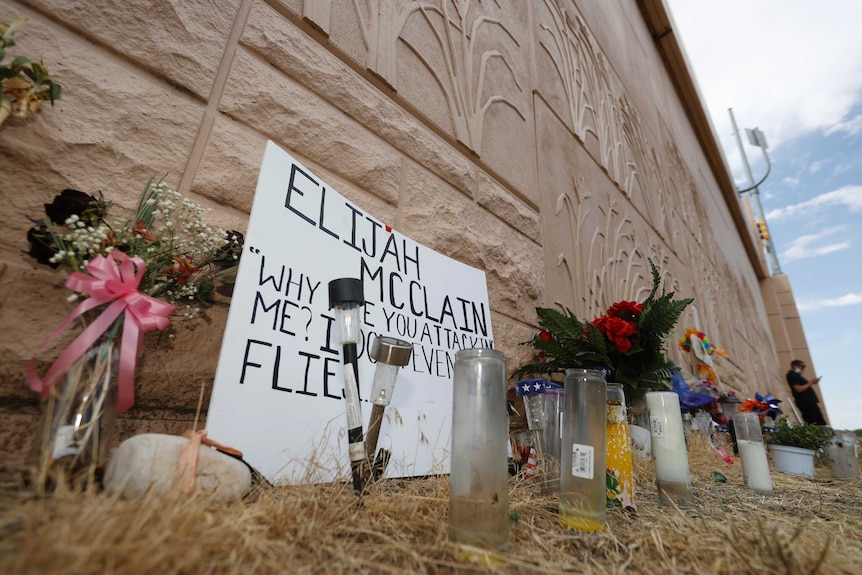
(25, 83)
(793, 447)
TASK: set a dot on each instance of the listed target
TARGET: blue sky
(794, 70)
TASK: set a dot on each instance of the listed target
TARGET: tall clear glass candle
(552, 434)
(479, 492)
(582, 465)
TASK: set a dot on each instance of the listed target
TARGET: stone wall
(544, 139)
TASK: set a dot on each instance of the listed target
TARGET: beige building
(555, 144)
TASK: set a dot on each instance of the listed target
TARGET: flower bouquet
(24, 84)
(128, 277)
(628, 341)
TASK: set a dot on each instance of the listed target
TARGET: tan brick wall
(545, 139)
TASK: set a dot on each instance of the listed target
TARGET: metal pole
(755, 200)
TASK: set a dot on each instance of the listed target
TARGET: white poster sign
(278, 392)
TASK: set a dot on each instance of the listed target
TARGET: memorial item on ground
(129, 277)
(478, 482)
(582, 463)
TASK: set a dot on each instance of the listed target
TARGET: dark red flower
(40, 248)
(545, 335)
(628, 310)
(68, 203)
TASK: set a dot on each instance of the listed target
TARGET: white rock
(150, 462)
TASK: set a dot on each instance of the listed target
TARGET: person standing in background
(804, 396)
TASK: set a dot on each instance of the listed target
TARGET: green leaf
(21, 61)
(53, 91)
(563, 326)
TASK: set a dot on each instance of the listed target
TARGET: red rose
(628, 310)
(600, 323)
(545, 335)
(617, 330)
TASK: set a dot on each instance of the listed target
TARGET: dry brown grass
(804, 526)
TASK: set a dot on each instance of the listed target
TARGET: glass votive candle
(668, 448)
(749, 440)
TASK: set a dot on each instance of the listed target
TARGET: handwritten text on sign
(278, 393)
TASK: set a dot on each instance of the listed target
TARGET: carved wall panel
(573, 76)
(642, 171)
(596, 244)
(463, 64)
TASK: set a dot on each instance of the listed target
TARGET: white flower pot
(794, 460)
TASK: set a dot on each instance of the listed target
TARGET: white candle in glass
(755, 466)
(668, 447)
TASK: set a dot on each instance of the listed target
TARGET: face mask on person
(797, 370)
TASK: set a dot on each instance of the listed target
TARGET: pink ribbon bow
(112, 278)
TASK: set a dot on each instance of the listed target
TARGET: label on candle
(656, 427)
(582, 461)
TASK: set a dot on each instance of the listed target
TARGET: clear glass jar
(552, 435)
(77, 424)
(479, 490)
(582, 465)
(844, 455)
(620, 480)
(532, 393)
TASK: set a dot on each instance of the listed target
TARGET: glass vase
(77, 424)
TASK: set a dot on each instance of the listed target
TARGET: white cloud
(840, 301)
(851, 127)
(790, 181)
(848, 196)
(802, 248)
(815, 167)
(794, 68)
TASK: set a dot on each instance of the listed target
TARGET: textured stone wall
(541, 141)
